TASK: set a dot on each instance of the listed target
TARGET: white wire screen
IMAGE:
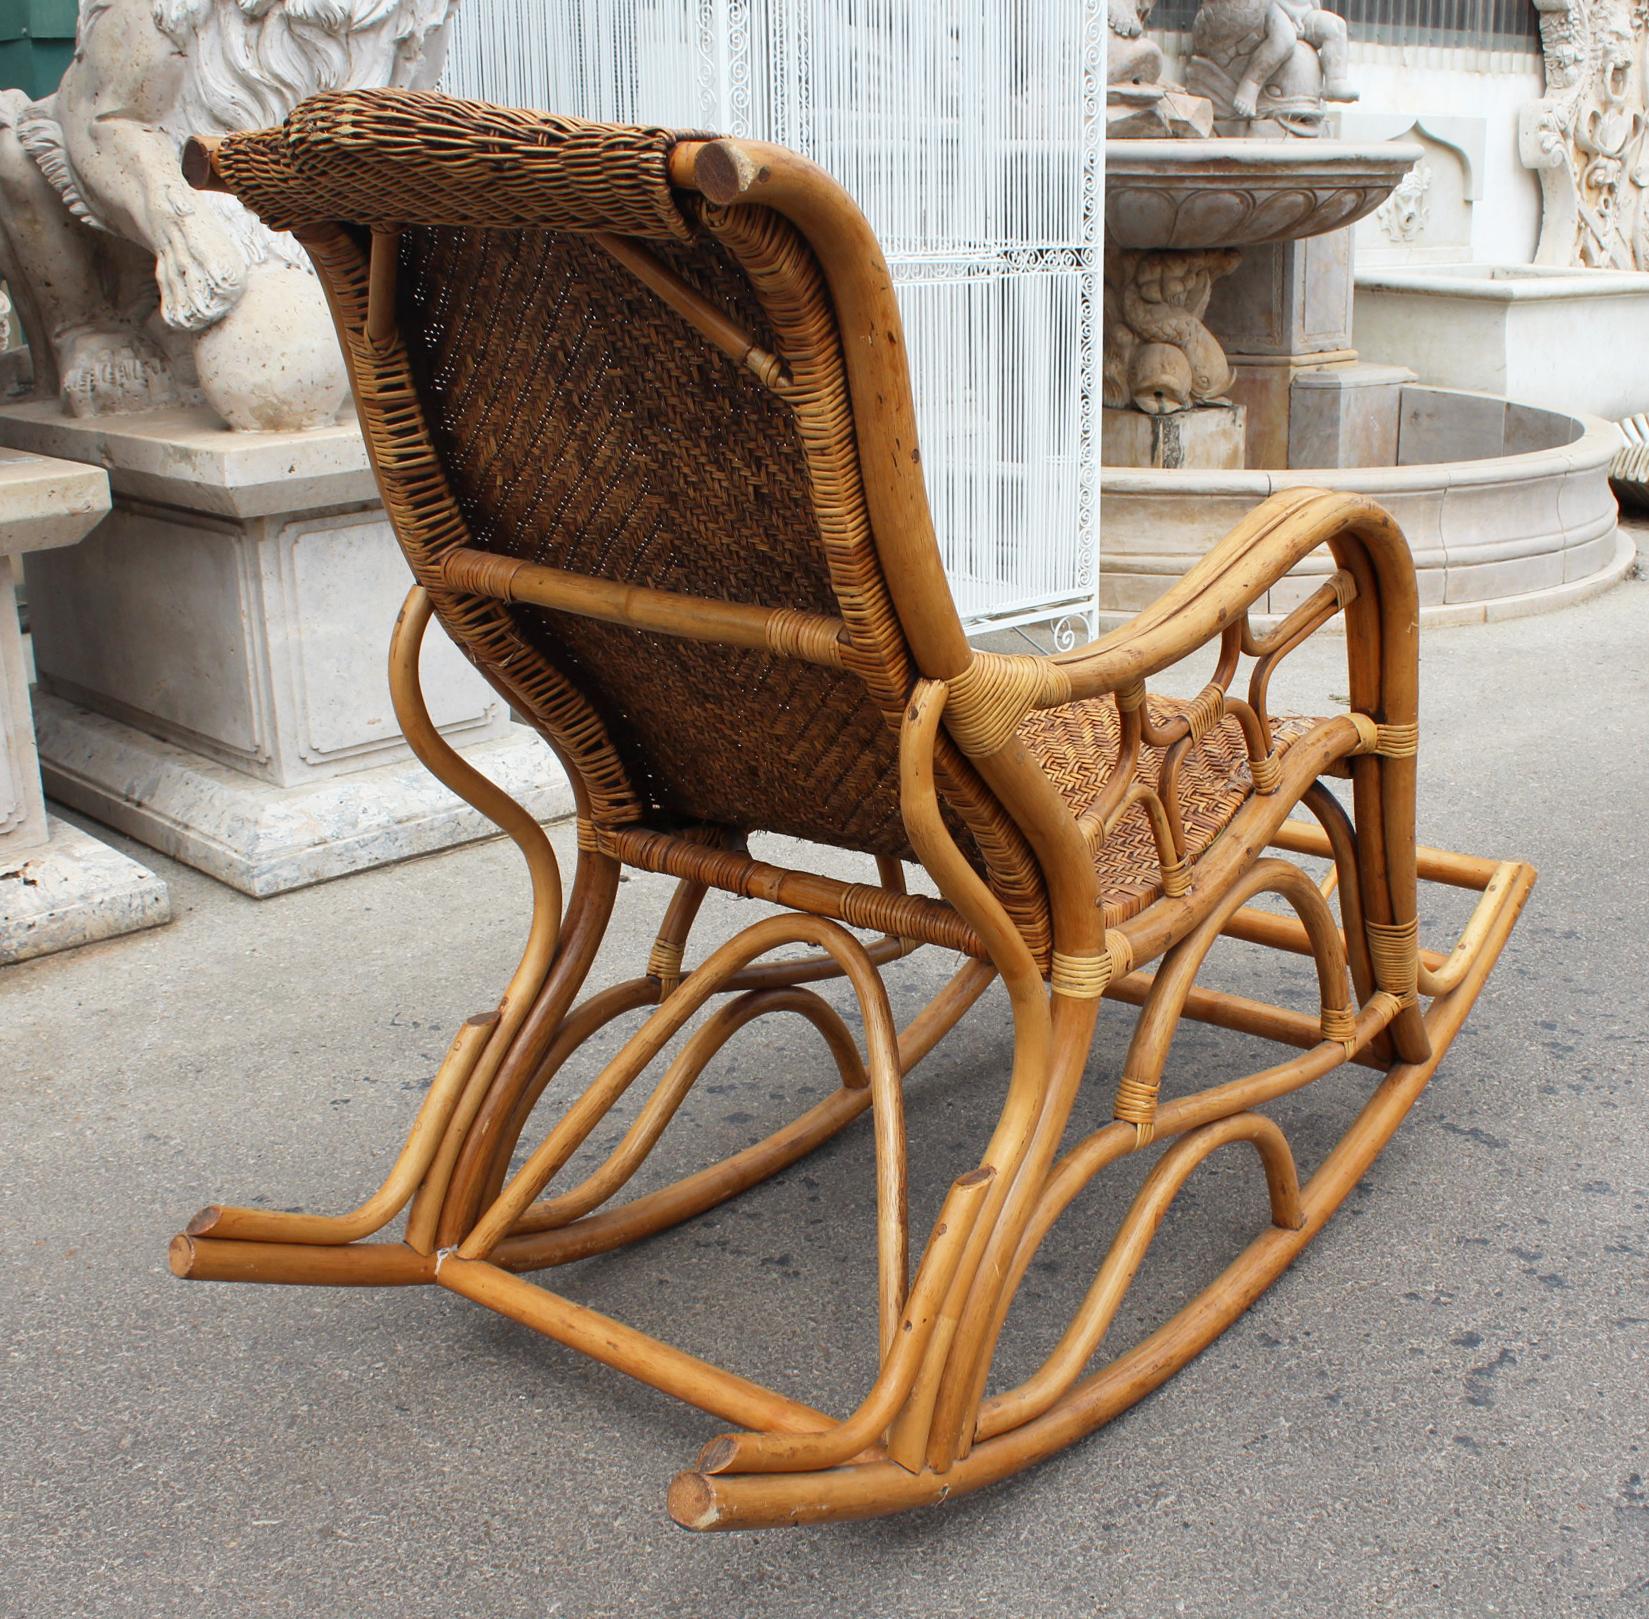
(971, 135)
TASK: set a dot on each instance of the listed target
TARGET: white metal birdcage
(971, 134)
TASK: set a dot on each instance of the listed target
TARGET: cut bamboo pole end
(200, 166)
(692, 1502)
(723, 171)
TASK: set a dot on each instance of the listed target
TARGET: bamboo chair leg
(478, 1047)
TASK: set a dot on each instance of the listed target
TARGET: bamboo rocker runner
(640, 413)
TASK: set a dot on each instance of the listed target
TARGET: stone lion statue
(137, 291)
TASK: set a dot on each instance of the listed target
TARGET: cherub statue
(1277, 59)
(132, 287)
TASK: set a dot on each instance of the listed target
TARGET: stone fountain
(1230, 368)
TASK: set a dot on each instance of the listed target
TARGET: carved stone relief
(1586, 136)
(1159, 356)
(1404, 215)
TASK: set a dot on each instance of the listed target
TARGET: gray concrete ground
(1440, 1410)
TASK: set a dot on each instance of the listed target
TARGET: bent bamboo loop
(1093, 1319)
(646, 1043)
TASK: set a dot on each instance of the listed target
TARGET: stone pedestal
(212, 660)
(1287, 307)
(1208, 437)
(58, 886)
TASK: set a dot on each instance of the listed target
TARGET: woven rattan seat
(1078, 744)
(640, 413)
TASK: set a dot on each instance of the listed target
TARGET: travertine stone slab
(59, 887)
(187, 458)
(1264, 386)
(1346, 415)
(73, 890)
(1287, 298)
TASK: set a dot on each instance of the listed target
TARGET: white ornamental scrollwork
(1588, 136)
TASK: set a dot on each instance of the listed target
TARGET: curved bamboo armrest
(1226, 582)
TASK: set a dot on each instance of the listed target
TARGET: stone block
(265, 839)
(1264, 387)
(1345, 416)
(73, 890)
(1287, 298)
(1434, 425)
(1208, 436)
(59, 886)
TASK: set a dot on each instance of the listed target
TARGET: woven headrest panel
(408, 157)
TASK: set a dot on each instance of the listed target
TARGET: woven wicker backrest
(585, 425)
(537, 400)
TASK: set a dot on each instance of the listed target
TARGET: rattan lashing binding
(641, 418)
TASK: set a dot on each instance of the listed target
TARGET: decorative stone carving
(1586, 136)
(135, 290)
(1269, 66)
(1131, 58)
(1404, 214)
(1159, 357)
(1452, 173)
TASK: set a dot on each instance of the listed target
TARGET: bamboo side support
(428, 1127)
(1139, 1227)
(707, 1501)
(1447, 866)
(1153, 1035)
(736, 343)
(455, 772)
(360, 1264)
(694, 1194)
(1033, 1044)
(688, 1197)
(475, 1156)
(381, 279)
(671, 1091)
(813, 637)
(643, 1046)
(1223, 1010)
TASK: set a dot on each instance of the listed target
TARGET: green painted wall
(36, 42)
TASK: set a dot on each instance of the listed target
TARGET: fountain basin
(1507, 508)
(1240, 193)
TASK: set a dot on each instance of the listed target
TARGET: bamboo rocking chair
(640, 414)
